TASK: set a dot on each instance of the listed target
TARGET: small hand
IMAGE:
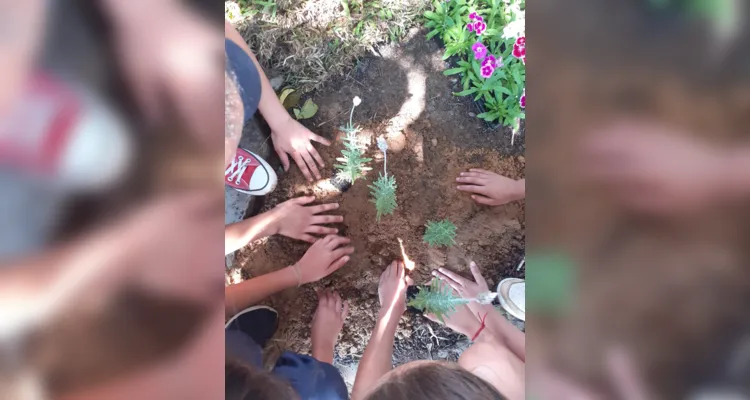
(490, 188)
(323, 258)
(296, 221)
(290, 138)
(465, 287)
(392, 290)
(463, 320)
(651, 169)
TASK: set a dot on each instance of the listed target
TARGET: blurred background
(111, 207)
(638, 267)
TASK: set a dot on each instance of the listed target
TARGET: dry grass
(311, 42)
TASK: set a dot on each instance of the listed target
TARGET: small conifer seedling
(384, 190)
(437, 299)
(353, 164)
(440, 233)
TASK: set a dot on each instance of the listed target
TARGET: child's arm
(377, 359)
(290, 138)
(322, 259)
(293, 218)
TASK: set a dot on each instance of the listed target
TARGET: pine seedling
(384, 190)
(437, 299)
(440, 233)
(352, 161)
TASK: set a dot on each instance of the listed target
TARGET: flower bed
(487, 40)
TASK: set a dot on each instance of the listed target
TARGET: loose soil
(431, 142)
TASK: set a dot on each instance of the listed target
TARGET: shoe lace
(237, 168)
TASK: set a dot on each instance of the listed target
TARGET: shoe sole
(247, 310)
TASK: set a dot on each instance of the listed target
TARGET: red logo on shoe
(239, 173)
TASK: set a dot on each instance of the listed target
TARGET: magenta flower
(479, 50)
(473, 16)
(479, 27)
(519, 51)
(486, 71)
(470, 27)
(521, 41)
(492, 61)
(522, 102)
(479, 18)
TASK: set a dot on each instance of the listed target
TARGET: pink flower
(479, 50)
(521, 41)
(487, 71)
(470, 27)
(492, 61)
(519, 51)
(480, 27)
(523, 99)
(473, 16)
(479, 18)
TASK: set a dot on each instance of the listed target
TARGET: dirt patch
(433, 138)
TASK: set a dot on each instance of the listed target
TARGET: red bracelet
(480, 328)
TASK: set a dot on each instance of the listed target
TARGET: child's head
(243, 382)
(435, 381)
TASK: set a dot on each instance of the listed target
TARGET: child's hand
(392, 290)
(489, 188)
(290, 138)
(323, 258)
(463, 320)
(296, 221)
(465, 287)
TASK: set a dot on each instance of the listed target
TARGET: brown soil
(426, 157)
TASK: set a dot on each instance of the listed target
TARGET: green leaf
(466, 92)
(309, 109)
(297, 114)
(453, 71)
(432, 34)
(289, 98)
(345, 5)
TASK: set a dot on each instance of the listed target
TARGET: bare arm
(502, 330)
(270, 106)
(239, 234)
(253, 291)
(377, 359)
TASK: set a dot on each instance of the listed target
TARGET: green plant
(384, 195)
(437, 299)
(384, 190)
(352, 161)
(440, 233)
(486, 64)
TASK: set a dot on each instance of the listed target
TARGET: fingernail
(434, 273)
(462, 174)
(440, 269)
(346, 258)
(458, 179)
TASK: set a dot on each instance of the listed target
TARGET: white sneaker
(251, 174)
(512, 295)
